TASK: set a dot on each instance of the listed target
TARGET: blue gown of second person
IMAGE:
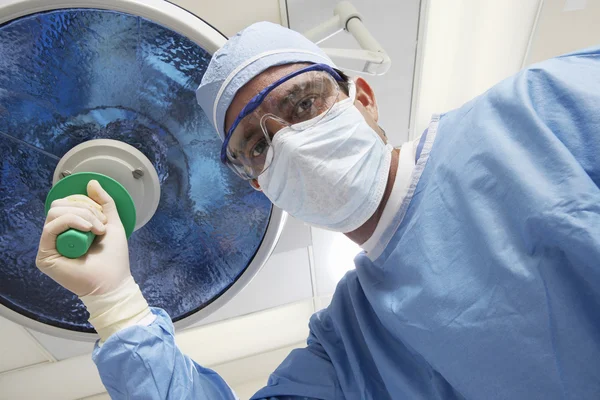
(487, 286)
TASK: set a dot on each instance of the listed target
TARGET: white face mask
(333, 174)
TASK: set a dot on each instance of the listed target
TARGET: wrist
(116, 310)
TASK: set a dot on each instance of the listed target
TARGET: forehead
(254, 86)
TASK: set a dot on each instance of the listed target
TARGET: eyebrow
(287, 97)
(247, 136)
(291, 93)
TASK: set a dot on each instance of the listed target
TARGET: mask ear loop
(352, 90)
(345, 103)
(265, 130)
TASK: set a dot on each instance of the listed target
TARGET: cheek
(371, 119)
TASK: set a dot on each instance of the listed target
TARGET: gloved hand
(106, 265)
(101, 278)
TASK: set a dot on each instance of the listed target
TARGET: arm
(137, 357)
(143, 362)
(162, 371)
(305, 374)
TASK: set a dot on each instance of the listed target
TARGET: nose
(272, 126)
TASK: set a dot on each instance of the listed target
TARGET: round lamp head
(86, 89)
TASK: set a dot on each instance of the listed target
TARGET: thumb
(100, 196)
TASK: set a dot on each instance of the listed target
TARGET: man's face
(364, 102)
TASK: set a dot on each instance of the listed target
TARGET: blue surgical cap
(244, 56)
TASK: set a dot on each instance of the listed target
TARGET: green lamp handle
(74, 243)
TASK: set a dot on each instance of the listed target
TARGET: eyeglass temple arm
(346, 17)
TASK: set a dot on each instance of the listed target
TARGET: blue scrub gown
(488, 283)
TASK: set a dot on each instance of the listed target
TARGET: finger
(59, 225)
(90, 205)
(84, 199)
(98, 226)
(100, 196)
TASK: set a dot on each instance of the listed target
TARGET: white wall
(565, 26)
(469, 46)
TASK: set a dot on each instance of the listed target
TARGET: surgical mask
(331, 175)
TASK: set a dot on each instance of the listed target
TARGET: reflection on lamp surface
(73, 75)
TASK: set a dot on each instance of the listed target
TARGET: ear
(255, 185)
(366, 97)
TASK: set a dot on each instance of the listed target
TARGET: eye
(259, 148)
(303, 109)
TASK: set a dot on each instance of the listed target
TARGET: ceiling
(398, 36)
(229, 23)
(564, 26)
(461, 57)
(394, 24)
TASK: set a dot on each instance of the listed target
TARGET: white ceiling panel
(284, 279)
(254, 368)
(64, 380)
(296, 234)
(213, 346)
(394, 25)
(248, 335)
(232, 16)
(61, 348)
(17, 348)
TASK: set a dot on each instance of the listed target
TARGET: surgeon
(480, 275)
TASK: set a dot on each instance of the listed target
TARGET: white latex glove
(101, 278)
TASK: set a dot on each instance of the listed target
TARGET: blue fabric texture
(244, 56)
(488, 289)
(143, 362)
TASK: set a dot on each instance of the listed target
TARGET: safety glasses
(298, 101)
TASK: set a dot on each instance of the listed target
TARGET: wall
(565, 26)
(469, 45)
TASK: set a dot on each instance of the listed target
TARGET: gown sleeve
(143, 362)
